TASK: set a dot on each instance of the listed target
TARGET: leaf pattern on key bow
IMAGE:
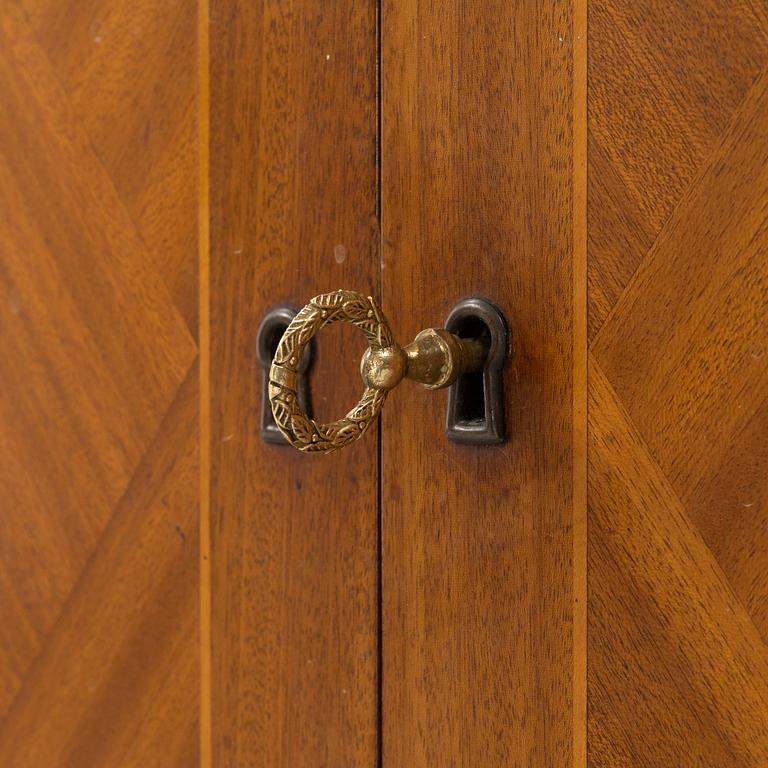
(301, 431)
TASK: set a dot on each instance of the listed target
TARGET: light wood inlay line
(206, 749)
(580, 373)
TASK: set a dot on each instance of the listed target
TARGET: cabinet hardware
(475, 413)
(271, 330)
(436, 358)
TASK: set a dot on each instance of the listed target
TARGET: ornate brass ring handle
(435, 358)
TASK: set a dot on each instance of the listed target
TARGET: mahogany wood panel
(479, 155)
(678, 477)
(664, 80)
(294, 538)
(98, 425)
(133, 63)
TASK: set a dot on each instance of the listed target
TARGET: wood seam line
(705, 166)
(140, 467)
(22, 17)
(580, 373)
(203, 127)
(379, 267)
(713, 563)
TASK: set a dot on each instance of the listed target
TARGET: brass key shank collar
(434, 359)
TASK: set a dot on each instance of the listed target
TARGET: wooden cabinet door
(482, 569)
(294, 539)
(623, 235)
(406, 601)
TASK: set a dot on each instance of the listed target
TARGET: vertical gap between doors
(380, 435)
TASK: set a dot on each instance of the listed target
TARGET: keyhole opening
(475, 400)
(470, 392)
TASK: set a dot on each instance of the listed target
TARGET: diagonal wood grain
(132, 64)
(678, 464)
(116, 680)
(664, 80)
(618, 235)
(678, 671)
(685, 347)
(94, 347)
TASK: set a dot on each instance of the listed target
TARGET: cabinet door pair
(177, 590)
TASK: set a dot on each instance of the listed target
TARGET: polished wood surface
(174, 592)
(98, 393)
(479, 157)
(678, 473)
(294, 538)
